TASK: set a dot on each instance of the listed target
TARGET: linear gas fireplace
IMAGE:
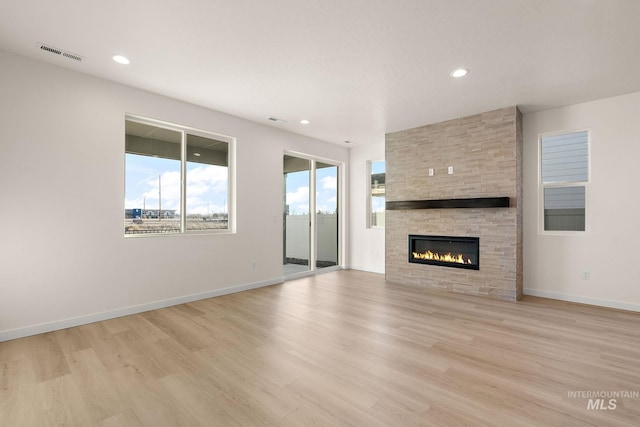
(458, 252)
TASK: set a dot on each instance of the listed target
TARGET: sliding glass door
(310, 215)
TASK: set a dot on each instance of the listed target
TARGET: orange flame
(433, 256)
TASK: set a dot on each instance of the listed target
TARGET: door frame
(341, 188)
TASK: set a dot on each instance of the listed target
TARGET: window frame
(369, 207)
(564, 184)
(231, 176)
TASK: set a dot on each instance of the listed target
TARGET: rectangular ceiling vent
(60, 52)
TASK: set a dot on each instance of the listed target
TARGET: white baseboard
(302, 274)
(371, 269)
(583, 300)
(97, 317)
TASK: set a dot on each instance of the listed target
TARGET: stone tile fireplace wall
(485, 151)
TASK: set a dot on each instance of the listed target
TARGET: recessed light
(196, 154)
(304, 122)
(121, 59)
(459, 72)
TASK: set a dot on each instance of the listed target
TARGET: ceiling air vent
(50, 49)
(72, 56)
(64, 53)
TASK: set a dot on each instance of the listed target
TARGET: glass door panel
(326, 215)
(296, 222)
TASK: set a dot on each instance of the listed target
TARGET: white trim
(106, 315)
(368, 187)
(231, 176)
(312, 157)
(183, 182)
(374, 269)
(343, 214)
(316, 272)
(299, 275)
(583, 300)
(172, 126)
(313, 216)
(232, 187)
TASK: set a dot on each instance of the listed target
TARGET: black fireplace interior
(458, 252)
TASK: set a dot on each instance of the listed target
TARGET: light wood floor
(337, 349)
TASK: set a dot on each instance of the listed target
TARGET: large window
(564, 167)
(177, 179)
(376, 205)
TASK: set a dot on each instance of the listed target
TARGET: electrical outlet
(253, 264)
(586, 275)
(450, 170)
(430, 171)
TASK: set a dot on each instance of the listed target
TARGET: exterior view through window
(157, 157)
(564, 179)
(377, 199)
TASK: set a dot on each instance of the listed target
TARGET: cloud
(329, 183)
(206, 179)
(300, 195)
(170, 187)
(298, 201)
(206, 191)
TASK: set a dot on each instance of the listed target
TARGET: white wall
(62, 151)
(367, 244)
(554, 266)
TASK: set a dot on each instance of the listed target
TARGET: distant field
(153, 226)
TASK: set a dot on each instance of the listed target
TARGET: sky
(297, 186)
(206, 185)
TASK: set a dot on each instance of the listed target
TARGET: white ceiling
(355, 68)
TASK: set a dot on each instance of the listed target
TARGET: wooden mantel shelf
(473, 203)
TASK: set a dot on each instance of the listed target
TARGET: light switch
(430, 171)
(450, 170)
